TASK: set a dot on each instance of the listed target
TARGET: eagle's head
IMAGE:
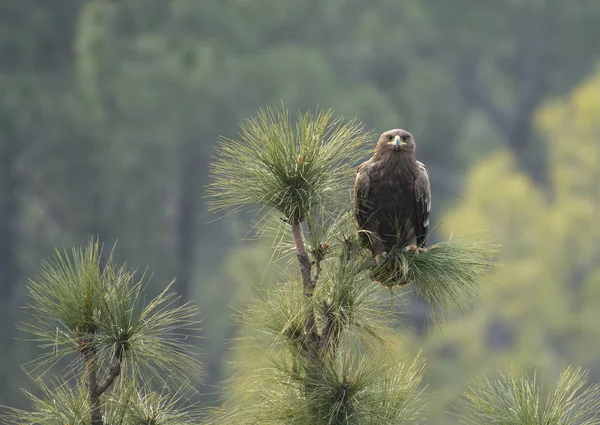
(396, 141)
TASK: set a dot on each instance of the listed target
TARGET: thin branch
(308, 284)
(331, 332)
(303, 260)
(89, 353)
(114, 370)
(318, 255)
(317, 264)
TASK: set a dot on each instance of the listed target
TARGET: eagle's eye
(404, 138)
(390, 137)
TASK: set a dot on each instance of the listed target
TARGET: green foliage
(279, 315)
(448, 276)
(110, 111)
(352, 385)
(517, 398)
(137, 405)
(78, 297)
(317, 349)
(373, 388)
(93, 312)
(543, 311)
(289, 168)
(355, 311)
(355, 305)
(359, 386)
(60, 403)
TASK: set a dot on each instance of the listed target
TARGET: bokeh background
(110, 112)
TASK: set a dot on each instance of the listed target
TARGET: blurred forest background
(110, 111)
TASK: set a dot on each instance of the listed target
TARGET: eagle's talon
(411, 247)
(379, 257)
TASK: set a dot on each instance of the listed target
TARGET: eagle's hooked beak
(397, 142)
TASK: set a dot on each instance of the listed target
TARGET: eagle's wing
(423, 203)
(362, 206)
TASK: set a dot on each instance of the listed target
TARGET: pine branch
(114, 370)
(308, 286)
(139, 404)
(317, 263)
(59, 403)
(448, 276)
(331, 330)
(293, 168)
(309, 331)
(90, 307)
(90, 358)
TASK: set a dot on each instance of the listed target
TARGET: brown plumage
(392, 196)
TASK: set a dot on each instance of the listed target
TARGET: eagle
(392, 196)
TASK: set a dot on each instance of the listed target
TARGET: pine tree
(318, 346)
(118, 353)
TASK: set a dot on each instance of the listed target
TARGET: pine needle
(447, 277)
(77, 296)
(518, 398)
(291, 167)
(376, 388)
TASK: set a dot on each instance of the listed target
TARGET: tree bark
(114, 370)
(308, 286)
(95, 389)
(89, 353)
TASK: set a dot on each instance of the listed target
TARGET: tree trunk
(90, 358)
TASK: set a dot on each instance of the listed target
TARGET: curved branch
(114, 370)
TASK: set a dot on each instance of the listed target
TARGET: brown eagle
(392, 196)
